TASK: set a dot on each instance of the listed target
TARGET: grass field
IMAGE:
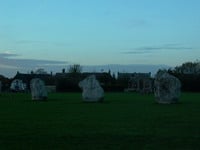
(124, 121)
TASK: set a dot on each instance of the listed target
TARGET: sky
(45, 33)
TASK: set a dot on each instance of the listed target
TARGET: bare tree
(40, 71)
(76, 68)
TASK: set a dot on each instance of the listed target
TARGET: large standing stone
(92, 91)
(38, 89)
(167, 88)
(17, 85)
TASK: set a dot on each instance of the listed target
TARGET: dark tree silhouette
(76, 68)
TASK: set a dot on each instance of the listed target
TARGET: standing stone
(167, 88)
(17, 85)
(38, 89)
(92, 91)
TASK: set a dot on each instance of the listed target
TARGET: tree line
(188, 73)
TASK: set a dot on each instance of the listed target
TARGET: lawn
(123, 121)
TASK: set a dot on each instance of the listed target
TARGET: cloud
(155, 49)
(11, 64)
(37, 42)
(7, 54)
(133, 23)
(136, 52)
(166, 47)
(7, 59)
(136, 23)
(7, 66)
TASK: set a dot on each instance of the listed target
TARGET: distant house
(63, 81)
(198, 68)
(139, 82)
(129, 75)
(69, 81)
(26, 78)
(103, 77)
(61, 74)
(5, 83)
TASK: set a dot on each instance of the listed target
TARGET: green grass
(124, 121)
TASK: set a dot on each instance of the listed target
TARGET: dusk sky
(38, 33)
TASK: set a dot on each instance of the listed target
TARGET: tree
(76, 68)
(189, 75)
(188, 68)
(40, 71)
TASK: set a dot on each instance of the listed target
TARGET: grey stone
(38, 89)
(17, 85)
(92, 91)
(167, 88)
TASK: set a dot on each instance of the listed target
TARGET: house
(5, 83)
(139, 82)
(102, 77)
(26, 78)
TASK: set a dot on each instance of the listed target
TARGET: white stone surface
(167, 88)
(92, 91)
(38, 89)
(17, 85)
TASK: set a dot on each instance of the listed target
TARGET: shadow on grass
(100, 142)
